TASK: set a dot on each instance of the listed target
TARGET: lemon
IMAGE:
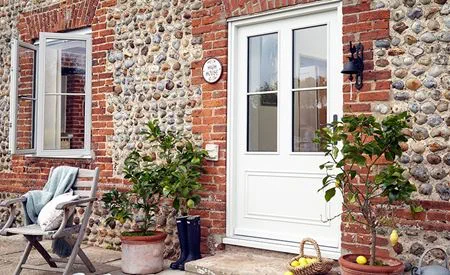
(393, 238)
(295, 263)
(361, 260)
(303, 261)
(288, 273)
(190, 203)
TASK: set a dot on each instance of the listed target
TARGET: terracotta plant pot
(143, 254)
(350, 267)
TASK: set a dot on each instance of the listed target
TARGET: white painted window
(50, 114)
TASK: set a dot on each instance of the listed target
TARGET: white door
(286, 84)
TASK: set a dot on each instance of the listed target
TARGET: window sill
(60, 157)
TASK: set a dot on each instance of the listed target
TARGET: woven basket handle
(314, 243)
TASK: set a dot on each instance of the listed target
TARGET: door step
(243, 261)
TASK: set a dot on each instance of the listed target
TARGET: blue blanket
(60, 182)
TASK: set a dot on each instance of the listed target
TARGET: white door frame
(233, 25)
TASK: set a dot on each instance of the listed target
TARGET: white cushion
(50, 218)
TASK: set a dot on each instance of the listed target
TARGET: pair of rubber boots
(189, 237)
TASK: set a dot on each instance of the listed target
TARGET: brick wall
(364, 21)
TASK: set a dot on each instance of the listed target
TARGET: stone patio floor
(106, 261)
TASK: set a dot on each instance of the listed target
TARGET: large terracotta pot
(350, 267)
(143, 254)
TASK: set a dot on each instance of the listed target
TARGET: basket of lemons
(309, 265)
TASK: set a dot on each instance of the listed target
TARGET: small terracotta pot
(143, 254)
(350, 267)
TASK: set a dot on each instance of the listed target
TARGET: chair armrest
(7, 203)
(11, 204)
(68, 204)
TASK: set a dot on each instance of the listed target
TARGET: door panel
(290, 71)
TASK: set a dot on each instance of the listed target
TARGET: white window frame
(39, 151)
(15, 44)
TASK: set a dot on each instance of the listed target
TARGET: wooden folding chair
(86, 187)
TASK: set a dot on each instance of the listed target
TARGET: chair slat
(85, 173)
(83, 193)
(83, 184)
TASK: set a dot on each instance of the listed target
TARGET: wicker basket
(322, 266)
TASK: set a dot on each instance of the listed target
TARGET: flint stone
(418, 70)
(413, 84)
(418, 147)
(417, 249)
(400, 27)
(433, 25)
(435, 71)
(428, 108)
(409, 3)
(430, 82)
(436, 145)
(417, 158)
(444, 36)
(420, 133)
(404, 158)
(433, 158)
(415, 13)
(395, 41)
(399, 85)
(401, 96)
(417, 27)
(415, 51)
(425, 189)
(398, 15)
(428, 37)
(414, 107)
(442, 106)
(435, 120)
(438, 173)
(383, 43)
(443, 190)
(446, 159)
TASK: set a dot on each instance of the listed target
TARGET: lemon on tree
(393, 238)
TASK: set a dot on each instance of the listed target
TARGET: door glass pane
(65, 76)
(262, 123)
(262, 63)
(66, 129)
(310, 114)
(25, 99)
(310, 57)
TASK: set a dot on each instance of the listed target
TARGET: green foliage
(354, 147)
(172, 168)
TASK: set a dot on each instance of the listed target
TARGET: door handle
(335, 117)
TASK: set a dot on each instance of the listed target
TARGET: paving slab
(105, 261)
(242, 263)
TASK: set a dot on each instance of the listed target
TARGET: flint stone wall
(417, 54)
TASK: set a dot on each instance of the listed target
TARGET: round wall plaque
(212, 70)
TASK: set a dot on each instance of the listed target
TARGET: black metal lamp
(355, 65)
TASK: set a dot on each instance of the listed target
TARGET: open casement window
(53, 120)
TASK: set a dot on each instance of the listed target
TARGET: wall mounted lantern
(355, 65)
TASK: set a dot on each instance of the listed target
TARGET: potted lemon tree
(170, 168)
(356, 147)
(142, 249)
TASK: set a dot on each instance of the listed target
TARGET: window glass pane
(64, 122)
(262, 123)
(310, 57)
(65, 58)
(262, 63)
(310, 114)
(25, 99)
(65, 73)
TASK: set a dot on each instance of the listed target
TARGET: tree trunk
(373, 245)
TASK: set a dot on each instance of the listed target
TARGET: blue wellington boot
(193, 236)
(182, 237)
